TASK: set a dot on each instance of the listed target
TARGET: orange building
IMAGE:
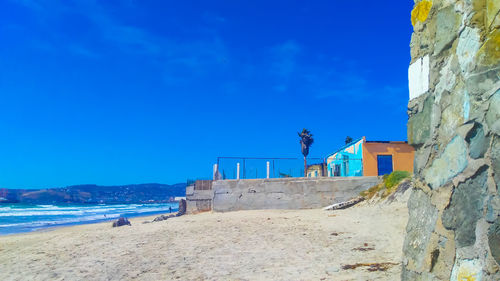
(370, 158)
(397, 155)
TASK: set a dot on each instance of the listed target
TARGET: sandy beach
(244, 245)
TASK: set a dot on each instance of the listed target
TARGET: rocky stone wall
(453, 232)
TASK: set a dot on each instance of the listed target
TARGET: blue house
(370, 158)
(347, 161)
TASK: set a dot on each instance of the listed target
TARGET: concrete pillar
(216, 172)
(238, 171)
(267, 169)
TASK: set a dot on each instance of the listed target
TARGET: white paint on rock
(418, 77)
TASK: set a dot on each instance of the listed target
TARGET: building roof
(386, 141)
(316, 164)
(345, 146)
(355, 141)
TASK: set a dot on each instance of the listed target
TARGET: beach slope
(244, 245)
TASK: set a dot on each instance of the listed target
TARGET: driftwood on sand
(345, 204)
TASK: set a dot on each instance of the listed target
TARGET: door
(384, 164)
(336, 171)
(345, 163)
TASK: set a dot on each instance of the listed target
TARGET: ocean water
(17, 218)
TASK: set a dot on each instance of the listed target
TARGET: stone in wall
(495, 161)
(450, 163)
(421, 224)
(493, 114)
(419, 124)
(494, 239)
(465, 209)
(453, 231)
(478, 142)
(447, 25)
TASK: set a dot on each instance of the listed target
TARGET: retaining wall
(198, 200)
(283, 193)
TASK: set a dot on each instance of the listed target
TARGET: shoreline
(100, 221)
(109, 222)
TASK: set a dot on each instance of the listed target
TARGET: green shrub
(395, 178)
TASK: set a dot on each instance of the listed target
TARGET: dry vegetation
(387, 186)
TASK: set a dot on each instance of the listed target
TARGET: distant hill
(89, 193)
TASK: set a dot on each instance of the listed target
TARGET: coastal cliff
(135, 193)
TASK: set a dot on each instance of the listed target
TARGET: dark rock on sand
(163, 218)
(121, 222)
(182, 208)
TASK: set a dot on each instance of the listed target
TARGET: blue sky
(119, 92)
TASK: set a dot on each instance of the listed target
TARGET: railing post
(216, 172)
(267, 169)
(238, 171)
(244, 169)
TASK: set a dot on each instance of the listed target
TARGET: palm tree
(306, 140)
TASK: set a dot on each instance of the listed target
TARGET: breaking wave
(16, 218)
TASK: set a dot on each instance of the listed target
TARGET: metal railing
(264, 167)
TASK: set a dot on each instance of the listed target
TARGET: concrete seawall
(283, 193)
